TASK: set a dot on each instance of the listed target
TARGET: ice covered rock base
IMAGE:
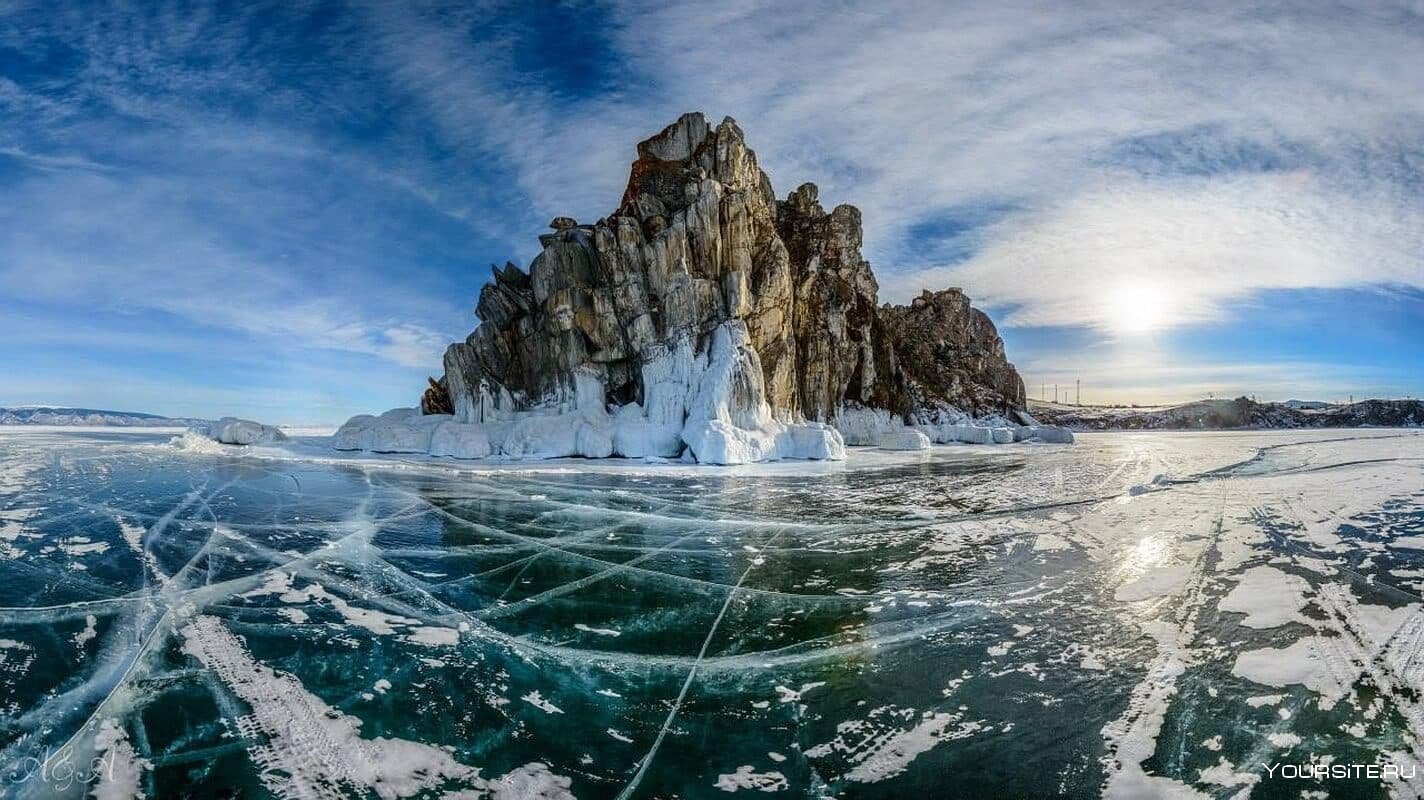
(231, 430)
(707, 320)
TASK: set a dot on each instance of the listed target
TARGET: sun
(1136, 307)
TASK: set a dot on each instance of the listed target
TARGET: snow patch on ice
(746, 777)
(305, 747)
(881, 746)
(1267, 596)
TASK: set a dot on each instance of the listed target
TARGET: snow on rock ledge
(711, 404)
(708, 405)
(231, 430)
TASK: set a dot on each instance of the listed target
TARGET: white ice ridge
(231, 430)
(706, 405)
(306, 748)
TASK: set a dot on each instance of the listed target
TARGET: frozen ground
(1134, 615)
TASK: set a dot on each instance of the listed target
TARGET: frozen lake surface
(1133, 615)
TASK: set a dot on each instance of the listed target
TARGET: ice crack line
(687, 683)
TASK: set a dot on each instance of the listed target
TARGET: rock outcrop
(705, 318)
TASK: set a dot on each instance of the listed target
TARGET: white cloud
(1200, 153)
(1194, 244)
(1275, 144)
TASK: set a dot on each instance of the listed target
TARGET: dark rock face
(951, 354)
(699, 241)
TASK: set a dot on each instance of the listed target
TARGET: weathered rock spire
(699, 244)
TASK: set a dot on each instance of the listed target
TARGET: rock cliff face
(704, 314)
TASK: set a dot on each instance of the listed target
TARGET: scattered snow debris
(89, 631)
(880, 746)
(747, 778)
(533, 781)
(537, 700)
(787, 695)
(1225, 774)
(286, 720)
(599, 631)
(619, 736)
(81, 546)
(434, 636)
(121, 773)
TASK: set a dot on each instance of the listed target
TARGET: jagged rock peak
(704, 314)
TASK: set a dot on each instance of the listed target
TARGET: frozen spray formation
(705, 318)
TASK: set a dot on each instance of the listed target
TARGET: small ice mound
(861, 427)
(1002, 435)
(966, 434)
(231, 430)
(459, 440)
(903, 439)
(194, 441)
(1048, 434)
(400, 430)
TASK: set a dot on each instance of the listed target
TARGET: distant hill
(1242, 412)
(1309, 404)
(53, 415)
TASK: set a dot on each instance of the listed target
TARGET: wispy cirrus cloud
(337, 174)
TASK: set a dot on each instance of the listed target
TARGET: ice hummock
(231, 430)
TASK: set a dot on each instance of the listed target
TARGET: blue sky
(285, 210)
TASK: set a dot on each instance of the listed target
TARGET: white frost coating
(1283, 740)
(231, 430)
(860, 426)
(308, 748)
(459, 440)
(746, 777)
(400, 430)
(1267, 596)
(903, 439)
(728, 419)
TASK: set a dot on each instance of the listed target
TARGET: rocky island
(707, 320)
